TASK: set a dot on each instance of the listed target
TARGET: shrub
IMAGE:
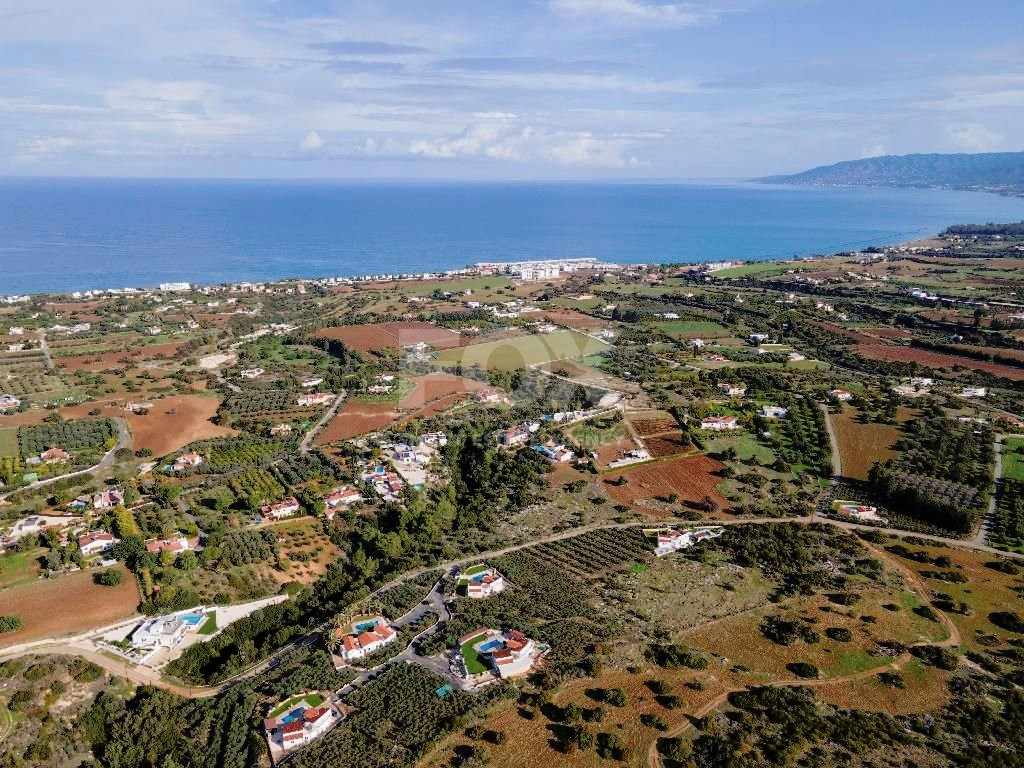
(10, 623)
(110, 578)
(803, 670)
(840, 634)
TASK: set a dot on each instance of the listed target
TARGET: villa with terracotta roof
(55, 456)
(278, 509)
(507, 654)
(342, 497)
(362, 637)
(187, 460)
(95, 541)
(176, 545)
(298, 721)
(479, 582)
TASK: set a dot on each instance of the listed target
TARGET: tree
(10, 623)
(187, 560)
(167, 558)
(110, 578)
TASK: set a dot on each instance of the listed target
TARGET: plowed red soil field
(691, 478)
(357, 419)
(370, 336)
(438, 385)
(67, 605)
(935, 359)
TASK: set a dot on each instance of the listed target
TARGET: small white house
(719, 423)
(840, 395)
(774, 412)
(251, 373)
(733, 390)
(974, 392)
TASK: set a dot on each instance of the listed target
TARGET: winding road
(124, 440)
(307, 440)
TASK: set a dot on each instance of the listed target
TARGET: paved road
(124, 440)
(307, 440)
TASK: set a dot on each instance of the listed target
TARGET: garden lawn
(210, 625)
(313, 699)
(9, 442)
(1013, 458)
(474, 664)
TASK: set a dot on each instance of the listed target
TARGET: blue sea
(72, 234)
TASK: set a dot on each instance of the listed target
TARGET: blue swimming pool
(293, 716)
(491, 645)
(192, 618)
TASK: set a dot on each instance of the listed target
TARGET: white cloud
(530, 145)
(311, 142)
(975, 137)
(495, 115)
(637, 12)
(874, 150)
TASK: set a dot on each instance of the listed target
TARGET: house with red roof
(362, 637)
(278, 509)
(95, 542)
(298, 721)
(176, 545)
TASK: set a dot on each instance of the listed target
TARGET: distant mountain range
(1000, 172)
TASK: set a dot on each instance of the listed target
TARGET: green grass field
(210, 625)
(706, 327)
(9, 442)
(1013, 458)
(18, 568)
(313, 699)
(474, 664)
(522, 351)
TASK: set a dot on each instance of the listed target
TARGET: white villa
(94, 542)
(342, 497)
(251, 373)
(858, 512)
(973, 392)
(363, 637)
(187, 460)
(316, 398)
(733, 390)
(481, 581)
(300, 722)
(510, 653)
(840, 395)
(719, 423)
(278, 509)
(674, 539)
(774, 412)
(555, 453)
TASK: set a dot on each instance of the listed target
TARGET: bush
(840, 634)
(110, 578)
(1008, 620)
(892, 680)
(803, 670)
(10, 623)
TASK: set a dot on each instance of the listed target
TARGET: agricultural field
(523, 351)
(932, 359)
(356, 419)
(392, 336)
(42, 606)
(862, 444)
(692, 329)
(571, 319)
(656, 486)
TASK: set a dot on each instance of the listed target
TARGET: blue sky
(500, 89)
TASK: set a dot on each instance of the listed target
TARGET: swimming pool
(490, 645)
(293, 716)
(192, 618)
(366, 626)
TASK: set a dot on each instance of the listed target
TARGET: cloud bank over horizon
(549, 89)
